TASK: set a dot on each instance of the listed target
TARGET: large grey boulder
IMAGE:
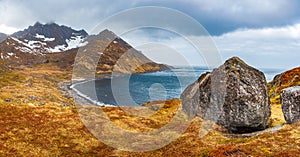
(234, 95)
(290, 100)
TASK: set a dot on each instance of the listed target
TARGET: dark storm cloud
(216, 15)
(219, 16)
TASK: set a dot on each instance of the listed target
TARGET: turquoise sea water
(132, 90)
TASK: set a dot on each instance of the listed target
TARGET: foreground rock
(233, 95)
(290, 100)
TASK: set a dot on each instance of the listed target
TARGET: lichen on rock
(290, 100)
(234, 95)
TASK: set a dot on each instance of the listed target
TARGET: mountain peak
(37, 24)
(116, 55)
(107, 31)
(51, 37)
(107, 34)
(51, 23)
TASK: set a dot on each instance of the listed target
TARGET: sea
(136, 89)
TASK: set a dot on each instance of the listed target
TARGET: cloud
(217, 16)
(247, 11)
(223, 16)
(287, 32)
(169, 48)
(271, 47)
(7, 29)
(75, 13)
(277, 47)
(264, 33)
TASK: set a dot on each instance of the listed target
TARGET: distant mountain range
(58, 44)
(2, 37)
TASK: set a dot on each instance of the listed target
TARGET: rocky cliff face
(233, 95)
(290, 100)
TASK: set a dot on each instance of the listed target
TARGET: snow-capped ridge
(51, 37)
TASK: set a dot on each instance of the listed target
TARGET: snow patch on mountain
(34, 46)
(27, 47)
(72, 43)
(24, 49)
(76, 41)
(42, 37)
(49, 38)
(8, 55)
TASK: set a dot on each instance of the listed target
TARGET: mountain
(2, 37)
(50, 37)
(116, 55)
(32, 45)
(37, 44)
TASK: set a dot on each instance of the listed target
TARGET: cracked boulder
(234, 95)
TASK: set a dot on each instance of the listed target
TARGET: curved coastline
(92, 102)
(85, 100)
(81, 99)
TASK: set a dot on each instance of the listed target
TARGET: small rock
(42, 103)
(290, 100)
(45, 61)
(8, 100)
(32, 97)
(25, 101)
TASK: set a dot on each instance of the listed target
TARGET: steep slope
(281, 81)
(121, 57)
(50, 37)
(115, 56)
(14, 52)
(31, 46)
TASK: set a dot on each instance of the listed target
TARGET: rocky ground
(39, 119)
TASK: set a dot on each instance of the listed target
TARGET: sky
(265, 34)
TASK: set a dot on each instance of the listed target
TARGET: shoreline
(80, 99)
(68, 90)
(84, 100)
